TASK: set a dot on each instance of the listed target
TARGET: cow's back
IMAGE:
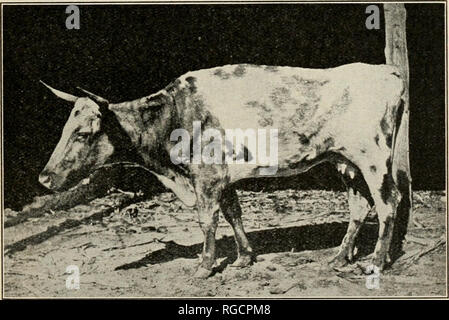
(250, 96)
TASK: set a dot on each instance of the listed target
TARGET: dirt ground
(151, 248)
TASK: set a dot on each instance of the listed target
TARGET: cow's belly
(291, 162)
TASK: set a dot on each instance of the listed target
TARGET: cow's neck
(118, 136)
(146, 130)
(129, 118)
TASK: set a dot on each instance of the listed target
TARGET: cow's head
(83, 144)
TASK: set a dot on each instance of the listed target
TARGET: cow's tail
(401, 174)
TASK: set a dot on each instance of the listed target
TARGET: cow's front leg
(232, 212)
(208, 219)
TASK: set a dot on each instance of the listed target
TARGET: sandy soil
(150, 249)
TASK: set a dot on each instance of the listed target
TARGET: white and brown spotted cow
(347, 115)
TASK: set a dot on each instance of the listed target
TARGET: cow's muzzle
(47, 179)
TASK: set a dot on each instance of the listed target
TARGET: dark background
(125, 52)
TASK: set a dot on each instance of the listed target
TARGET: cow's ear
(102, 102)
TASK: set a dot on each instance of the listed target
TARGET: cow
(348, 115)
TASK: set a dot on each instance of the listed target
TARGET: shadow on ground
(310, 237)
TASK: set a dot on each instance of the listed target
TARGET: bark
(396, 54)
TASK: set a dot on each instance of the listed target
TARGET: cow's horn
(94, 97)
(60, 94)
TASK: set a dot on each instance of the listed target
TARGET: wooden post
(396, 54)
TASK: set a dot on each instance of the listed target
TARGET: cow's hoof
(242, 261)
(338, 261)
(377, 265)
(202, 273)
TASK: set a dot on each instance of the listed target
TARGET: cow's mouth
(58, 183)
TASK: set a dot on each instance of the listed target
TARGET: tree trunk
(396, 54)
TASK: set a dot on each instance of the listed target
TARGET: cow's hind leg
(386, 197)
(232, 212)
(359, 208)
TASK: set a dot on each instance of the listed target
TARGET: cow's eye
(82, 136)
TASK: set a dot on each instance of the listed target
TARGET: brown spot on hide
(386, 129)
(264, 113)
(258, 105)
(304, 140)
(376, 139)
(329, 143)
(265, 122)
(222, 74)
(239, 71)
(280, 96)
(191, 81)
(388, 189)
(402, 213)
(305, 111)
(271, 69)
(247, 156)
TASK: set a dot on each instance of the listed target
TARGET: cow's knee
(208, 220)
